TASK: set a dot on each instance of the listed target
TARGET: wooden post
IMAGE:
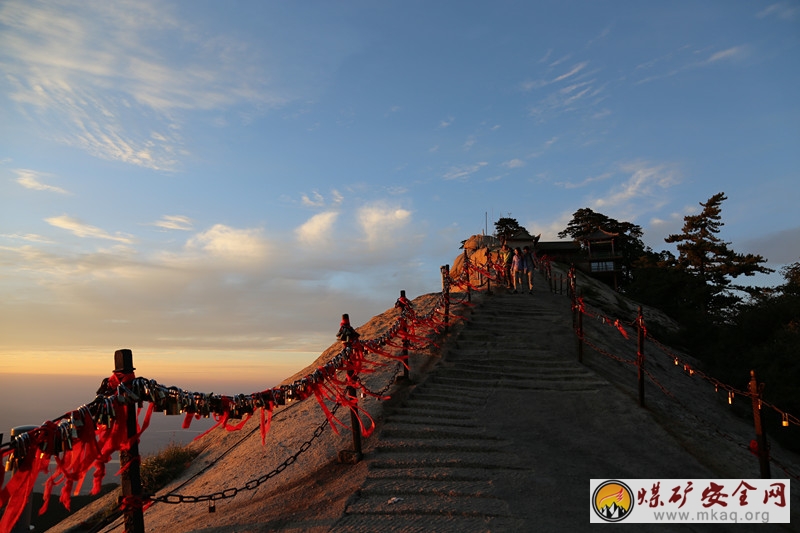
(761, 435)
(130, 479)
(446, 292)
(572, 283)
(467, 276)
(580, 330)
(640, 354)
(354, 420)
(404, 329)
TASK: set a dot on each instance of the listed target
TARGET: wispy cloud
(463, 172)
(29, 237)
(782, 10)
(575, 69)
(177, 222)
(678, 62)
(733, 53)
(30, 179)
(81, 229)
(315, 199)
(92, 75)
(444, 123)
(585, 182)
(644, 183)
(514, 163)
(543, 82)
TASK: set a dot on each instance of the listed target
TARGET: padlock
(112, 413)
(171, 406)
(277, 395)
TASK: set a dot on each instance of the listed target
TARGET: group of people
(519, 266)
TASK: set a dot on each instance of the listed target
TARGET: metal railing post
(761, 435)
(640, 354)
(446, 292)
(130, 478)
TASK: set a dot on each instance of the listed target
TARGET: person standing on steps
(517, 269)
(528, 266)
(506, 256)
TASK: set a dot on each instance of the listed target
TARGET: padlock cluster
(86, 437)
(55, 437)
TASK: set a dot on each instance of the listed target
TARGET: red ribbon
(16, 493)
(621, 328)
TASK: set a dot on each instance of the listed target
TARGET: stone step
(428, 419)
(446, 446)
(428, 504)
(401, 486)
(423, 523)
(407, 457)
(430, 431)
(434, 395)
(441, 474)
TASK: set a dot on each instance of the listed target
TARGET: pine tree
(704, 255)
(506, 227)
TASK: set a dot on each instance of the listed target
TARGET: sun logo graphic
(612, 501)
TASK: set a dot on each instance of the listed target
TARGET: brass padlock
(173, 406)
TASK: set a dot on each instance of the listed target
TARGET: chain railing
(86, 437)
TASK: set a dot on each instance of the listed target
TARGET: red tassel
(21, 484)
(621, 328)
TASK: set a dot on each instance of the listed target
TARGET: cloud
(230, 244)
(463, 172)
(546, 146)
(30, 180)
(470, 142)
(177, 222)
(29, 237)
(225, 289)
(782, 10)
(585, 182)
(93, 76)
(780, 247)
(514, 163)
(316, 201)
(446, 122)
(76, 227)
(733, 53)
(577, 68)
(687, 63)
(645, 181)
(380, 223)
(317, 231)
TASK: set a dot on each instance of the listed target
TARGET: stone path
(438, 464)
(507, 431)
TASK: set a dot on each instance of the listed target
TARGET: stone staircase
(438, 464)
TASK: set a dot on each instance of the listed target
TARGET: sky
(213, 184)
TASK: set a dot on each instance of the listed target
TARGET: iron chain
(250, 485)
